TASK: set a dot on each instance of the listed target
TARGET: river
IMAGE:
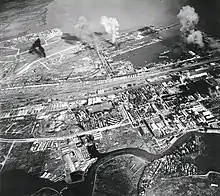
(26, 16)
(210, 159)
(205, 162)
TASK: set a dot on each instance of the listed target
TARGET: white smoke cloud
(195, 37)
(82, 30)
(81, 27)
(111, 26)
(81, 23)
(188, 20)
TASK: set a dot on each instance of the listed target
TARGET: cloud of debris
(195, 37)
(111, 26)
(188, 20)
(82, 30)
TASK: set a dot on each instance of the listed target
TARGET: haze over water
(17, 16)
(63, 14)
(130, 13)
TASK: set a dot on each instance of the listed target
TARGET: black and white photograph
(109, 97)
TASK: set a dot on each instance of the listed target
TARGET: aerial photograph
(109, 97)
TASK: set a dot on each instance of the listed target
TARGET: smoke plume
(195, 37)
(82, 30)
(111, 26)
(188, 20)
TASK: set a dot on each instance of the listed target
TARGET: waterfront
(57, 10)
(208, 161)
(151, 53)
(51, 14)
(205, 162)
(135, 14)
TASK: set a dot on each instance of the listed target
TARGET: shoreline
(91, 173)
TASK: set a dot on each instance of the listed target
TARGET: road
(6, 158)
(60, 138)
(79, 89)
(82, 95)
(107, 84)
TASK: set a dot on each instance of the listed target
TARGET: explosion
(188, 20)
(195, 37)
(111, 26)
(82, 30)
